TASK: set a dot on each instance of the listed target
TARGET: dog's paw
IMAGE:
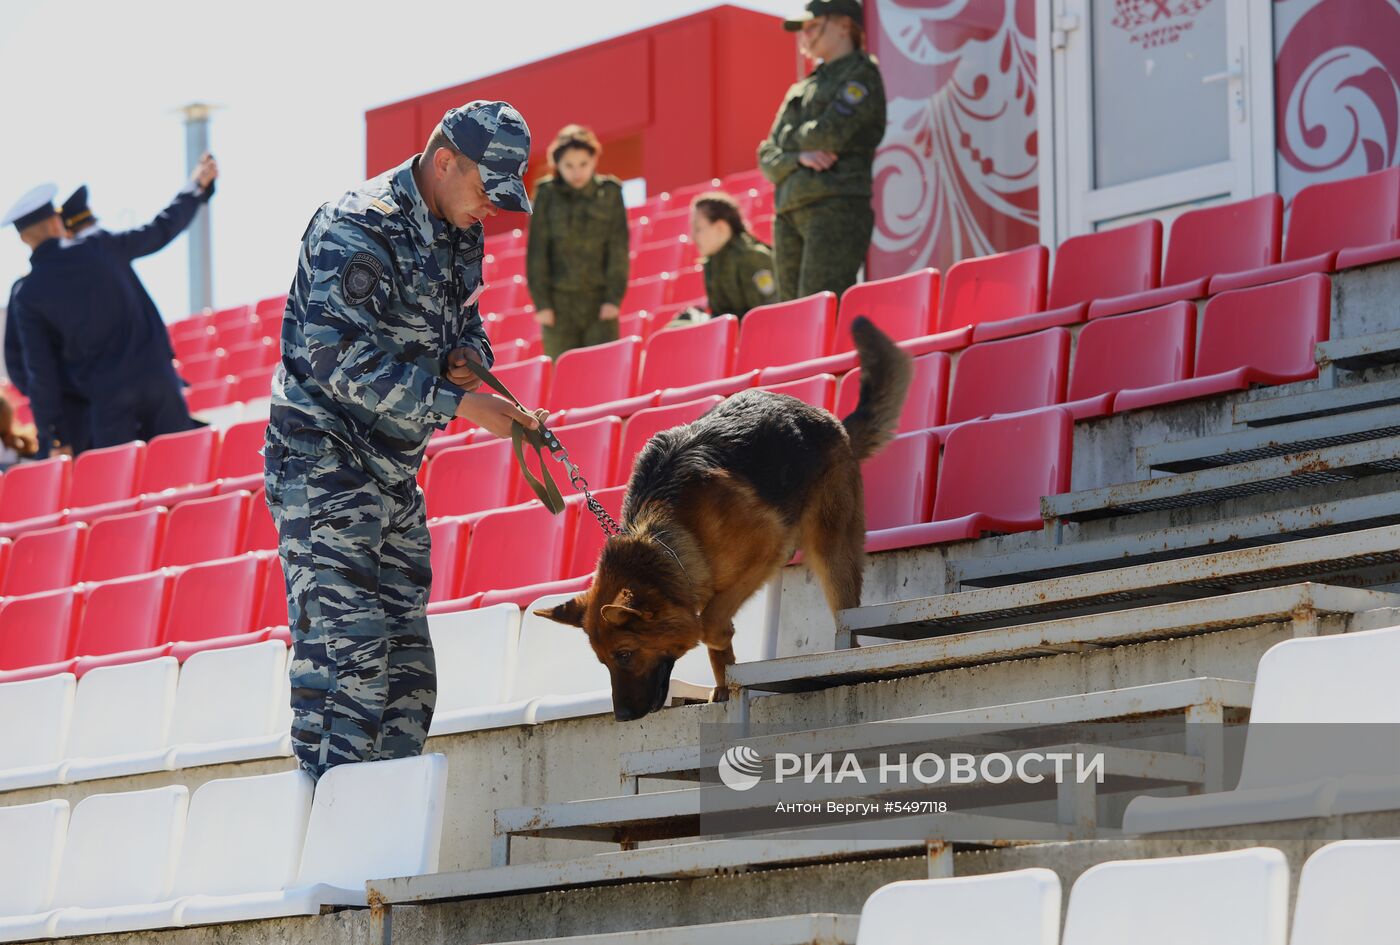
(719, 694)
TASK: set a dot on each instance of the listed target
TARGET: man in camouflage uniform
(577, 260)
(379, 325)
(820, 153)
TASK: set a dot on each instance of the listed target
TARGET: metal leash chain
(605, 521)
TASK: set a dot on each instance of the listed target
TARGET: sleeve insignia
(360, 277)
(763, 279)
(854, 93)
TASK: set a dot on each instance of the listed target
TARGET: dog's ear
(624, 608)
(570, 612)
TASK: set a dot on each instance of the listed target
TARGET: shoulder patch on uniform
(854, 93)
(360, 277)
(764, 281)
(383, 206)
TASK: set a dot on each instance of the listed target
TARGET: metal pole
(201, 254)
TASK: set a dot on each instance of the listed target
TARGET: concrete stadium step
(818, 928)
(1279, 439)
(1327, 465)
(1318, 403)
(1361, 352)
(1200, 700)
(681, 813)
(1366, 557)
(1301, 605)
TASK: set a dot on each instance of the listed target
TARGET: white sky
(89, 92)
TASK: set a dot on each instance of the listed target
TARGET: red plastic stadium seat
(105, 475)
(679, 357)
(587, 376)
(36, 630)
(119, 545)
(237, 334)
(991, 479)
(658, 259)
(255, 385)
(1009, 376)
(1233, 237)
(43, 560)
(740, 181)
(786, 332)
(29, 490)
(510, 352)
(518, 327)
(591, 446)
(1142, 349)
(645, 294)
(448, 536)
(523, 597)
(191, 326)
(502, 296)
(252, 356)
(212, 600)
(209, 394)
(819, 391)
(527, 380)
(122, 615)
(197, 342)
(272, 602)
(233, 315)
(239, 452)
(470, 479)
(1350, 222)
(899, 482)
(667, 226)
(724, 387)
(644, 424)
(902, 307)
(1262, 335)
(583, 551)
(687, 287)
(273, 305)
(501, 267)
(205, 529)
(512, 548)
(169, 499)
(179, 459)
(203, 368)
(994, 288)
(926, 403)
(1121, 261)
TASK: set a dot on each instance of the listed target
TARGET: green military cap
(816, 8)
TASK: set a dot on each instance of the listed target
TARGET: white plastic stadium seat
(121, 715)
(244, 836)
(32, 754)
(755, 636)
(31, 845)
(476, 652)
(1294, 767)
(374, 820)
(1347, 894)
(1021, 907)
(559, 672)
(232, 705)
(1235, 898)
(119, 862)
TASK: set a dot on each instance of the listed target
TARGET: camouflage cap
(816, 8)
(495, 136)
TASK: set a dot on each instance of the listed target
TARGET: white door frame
(1068, 206)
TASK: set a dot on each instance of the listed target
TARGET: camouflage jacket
(740, 276)
(578, 240)
(840, 107)
(378, 302)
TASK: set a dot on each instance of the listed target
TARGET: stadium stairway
(1127, 602)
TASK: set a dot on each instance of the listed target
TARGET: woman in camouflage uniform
(820, 153)
(577, 259)
(738, 267)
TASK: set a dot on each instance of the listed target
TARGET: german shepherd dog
(716, 507)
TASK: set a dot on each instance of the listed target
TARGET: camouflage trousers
(821, 247)
(576, 323)
(356, 558)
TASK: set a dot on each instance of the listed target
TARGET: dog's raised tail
(885, 371)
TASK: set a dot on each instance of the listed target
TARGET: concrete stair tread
(817, 928)
(1318, 403)
(1361, 351)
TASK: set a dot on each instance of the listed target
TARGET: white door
(1155, 106)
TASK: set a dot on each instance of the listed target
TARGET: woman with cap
(577, 262)
(820, 153)
(738, 266)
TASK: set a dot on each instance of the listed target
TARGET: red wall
(676, 103)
